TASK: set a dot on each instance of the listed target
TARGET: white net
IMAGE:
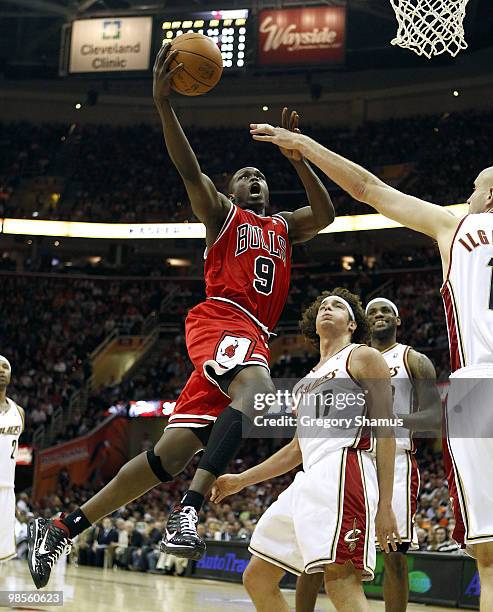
(430, 27)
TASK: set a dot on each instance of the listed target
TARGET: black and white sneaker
(180, 536)
(46, 543)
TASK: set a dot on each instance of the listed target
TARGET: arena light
(178, 262)
(132, 231)
(70, 229)
(362, 223)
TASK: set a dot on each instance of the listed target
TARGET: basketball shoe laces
(63, 547)
(188, 520)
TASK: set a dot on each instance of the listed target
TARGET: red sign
(24, 455)
(90, 459)
(313, 35)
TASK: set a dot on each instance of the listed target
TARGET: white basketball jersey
(468, 293)
(324, 399)
(11, 425)
(402, 389)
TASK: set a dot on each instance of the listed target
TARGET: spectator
(106, 534)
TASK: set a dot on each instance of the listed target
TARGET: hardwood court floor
(87, 589)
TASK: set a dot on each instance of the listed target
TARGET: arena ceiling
(70, 9)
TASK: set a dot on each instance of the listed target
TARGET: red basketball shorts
(221, 340)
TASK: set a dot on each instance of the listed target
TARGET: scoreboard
(228, 29)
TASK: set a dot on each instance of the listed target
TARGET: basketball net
(430, 27)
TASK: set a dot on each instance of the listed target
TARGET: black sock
(224, 441)
(192, 498)
(76, 522)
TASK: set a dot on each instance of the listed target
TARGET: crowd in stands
(125, 174)
(49, 328)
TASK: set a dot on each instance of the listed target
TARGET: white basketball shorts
(327, 515)
(7, 523)
(468, 453)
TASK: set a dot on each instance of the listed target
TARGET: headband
(2, 358)
(385, 301)
(343, 301)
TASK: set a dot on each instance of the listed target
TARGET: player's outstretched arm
(208, 205)
(429, 415)
(305, 223)
(369, 368)
(362, 185)
(286, 459)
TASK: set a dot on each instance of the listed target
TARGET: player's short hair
(231, 178)
(361, 334)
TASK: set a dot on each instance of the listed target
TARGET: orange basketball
(202, 64)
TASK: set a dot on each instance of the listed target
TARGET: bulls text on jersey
(252, 237)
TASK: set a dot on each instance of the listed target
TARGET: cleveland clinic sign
(110, 44)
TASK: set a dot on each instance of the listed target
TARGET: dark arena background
(101, 258)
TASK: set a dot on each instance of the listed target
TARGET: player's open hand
(290, 122)
(162, 75)
(283, 138)
(386, 530)
(225, 485)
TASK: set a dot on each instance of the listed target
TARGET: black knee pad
(224, 441)
(157, 467)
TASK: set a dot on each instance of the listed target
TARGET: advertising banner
(436, 578)
(433, 578)
(311, 35)
(111, 44)
(470, 588)
(222, 561)
(90, 459)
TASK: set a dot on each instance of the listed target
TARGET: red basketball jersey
(249, 264)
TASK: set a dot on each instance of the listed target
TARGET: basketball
(202, 64)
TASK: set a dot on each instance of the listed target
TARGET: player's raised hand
(386, 530)
(225, 485)
(162, 75)
(290, 121)
(283, 138)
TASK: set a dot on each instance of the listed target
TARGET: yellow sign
(133, 231)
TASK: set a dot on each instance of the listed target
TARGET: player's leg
(231, 425)
(404, 504)
(484, 558)
(275, 550)
(233, 365)
(344, 587)
(48, 539)
(261, 580)
(307, 590)
(395, 582)
(170, 456)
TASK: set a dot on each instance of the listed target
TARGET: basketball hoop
(430, 27)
